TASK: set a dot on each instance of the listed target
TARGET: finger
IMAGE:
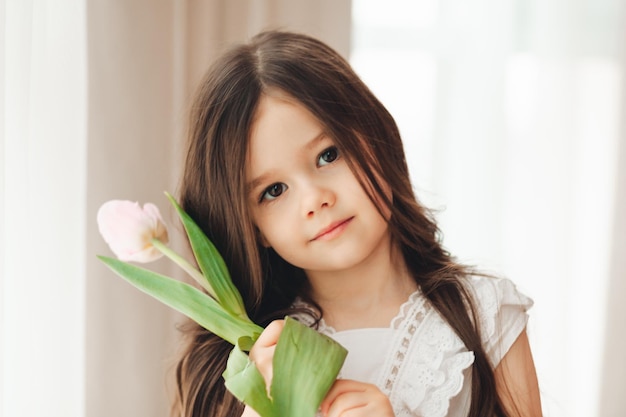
(356, 399)
(249, 412)
(341, 386)
(269, 336)
(361, 404)
(262, 353)
(267, 339)
(348, 403)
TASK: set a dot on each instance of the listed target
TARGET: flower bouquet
(305, 364)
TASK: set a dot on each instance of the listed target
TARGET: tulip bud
(128, 229)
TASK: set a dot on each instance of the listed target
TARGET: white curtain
(94, 98)
(42, 223)
(511, 115)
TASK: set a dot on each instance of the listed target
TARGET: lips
(332, 230)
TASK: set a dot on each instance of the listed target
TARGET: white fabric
(419, 362)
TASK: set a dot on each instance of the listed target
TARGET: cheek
(268, 228)
(257, 224)
(382, 201)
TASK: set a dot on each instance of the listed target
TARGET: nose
(316, 197)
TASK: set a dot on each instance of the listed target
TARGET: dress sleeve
(502, 312)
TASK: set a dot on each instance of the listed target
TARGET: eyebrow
(254, 183)
(313, 142)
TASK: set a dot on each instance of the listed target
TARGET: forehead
(281, 127)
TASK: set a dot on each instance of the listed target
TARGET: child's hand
(359, 398)
(262, 353)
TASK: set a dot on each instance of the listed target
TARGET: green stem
(184, 264)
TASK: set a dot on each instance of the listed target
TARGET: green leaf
(186, 299)
(306, 364)
(245, 382)
(211, 263)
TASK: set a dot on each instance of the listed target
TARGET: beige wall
(144, 58)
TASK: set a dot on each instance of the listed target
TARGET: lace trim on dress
(322, 327)
(426, 366)
(406, 309)
(426, 370)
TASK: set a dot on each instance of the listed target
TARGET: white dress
(419, 362)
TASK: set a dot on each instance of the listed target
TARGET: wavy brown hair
(213, 192)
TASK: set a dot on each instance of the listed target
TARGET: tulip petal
(158, 225)
(128, 229)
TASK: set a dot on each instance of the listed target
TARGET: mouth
(332, 230)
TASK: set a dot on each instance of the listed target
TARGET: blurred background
(512, 113)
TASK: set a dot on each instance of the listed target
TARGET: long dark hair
(213, 190)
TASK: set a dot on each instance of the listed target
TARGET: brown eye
(273, 191)
(328, 156)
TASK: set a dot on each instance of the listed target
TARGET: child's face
(303, 197)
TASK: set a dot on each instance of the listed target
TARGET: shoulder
(493, 293)
(501, 311)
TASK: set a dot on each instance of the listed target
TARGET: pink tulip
(128, 229)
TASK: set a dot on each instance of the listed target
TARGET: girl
(297, 173)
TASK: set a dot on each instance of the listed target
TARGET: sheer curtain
(42, 223)
(94, 97)
(510, 111)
